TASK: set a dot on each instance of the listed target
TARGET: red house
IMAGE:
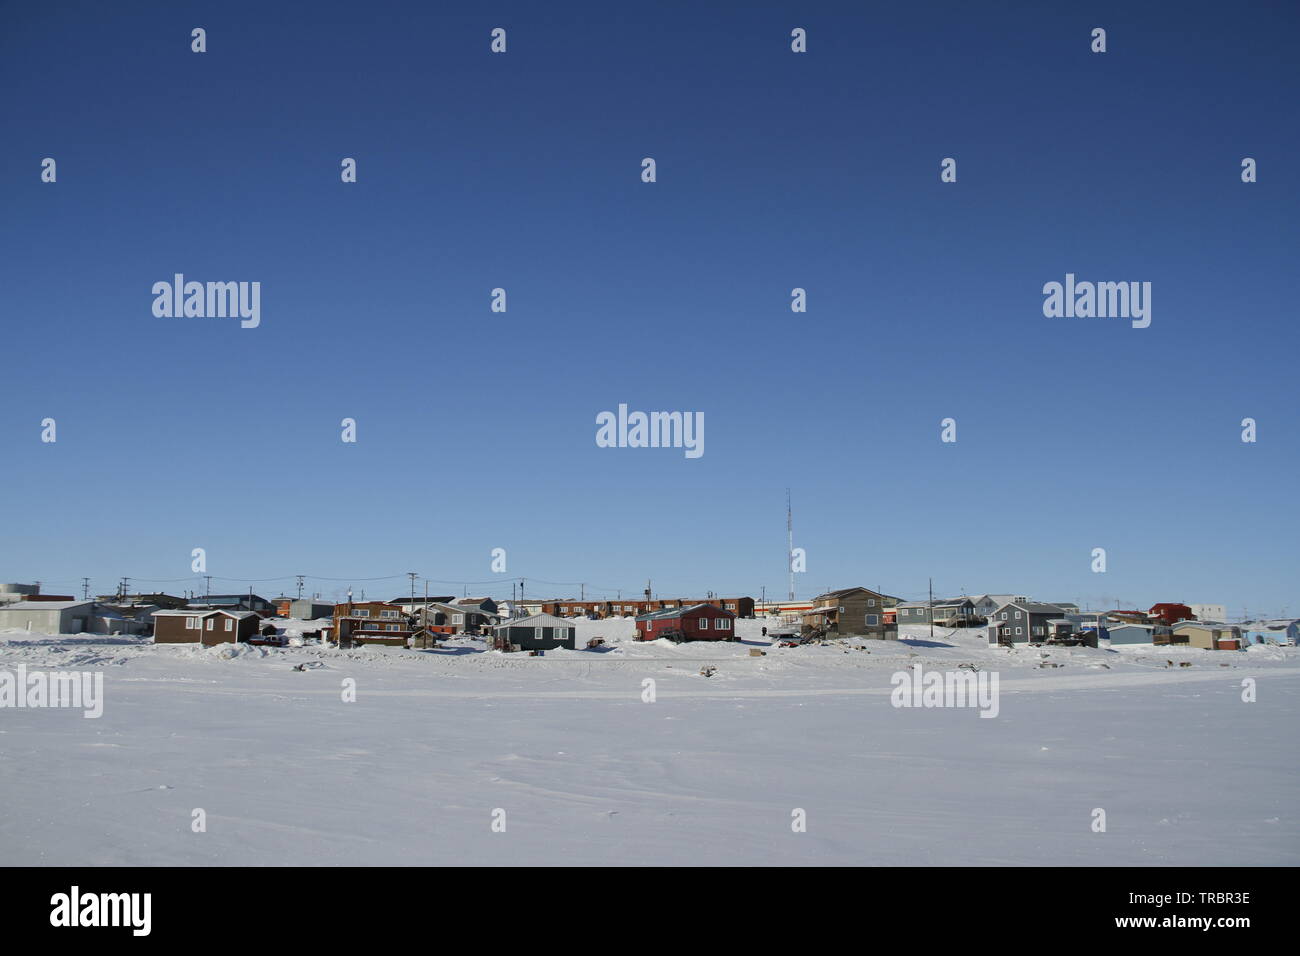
(1170, 613)
(699, 622)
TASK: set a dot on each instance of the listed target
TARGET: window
(230, 624)
(361, 612)
(871, 602)
(1038, 629)
(537, 633)
(394, 627)
(721, 624)
(1017, 630)
(191, 624)
(704, 624)
(1017, 615)
(388, 613)
(211, 624)
(1004, 615)
(873, 620)
(458, 619)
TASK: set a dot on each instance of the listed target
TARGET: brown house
(372, 622)
(203, 627)
(857, 612)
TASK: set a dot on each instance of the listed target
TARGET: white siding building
(48, 617)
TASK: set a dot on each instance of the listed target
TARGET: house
(304, 609)
(700, 622)
(1020, 622)
(538, 632)
(1209, 612)
(1210, 635)
(953, 610)
(1129, 633)
(857, 612)
(112, 618)
(48, 617)
(1069, 607)
(371, 622)
(1284, 632)
(1170, 613)
(412, 604)
(234, 602)
(485, 604)
(455, 618)
(167, 602)
(986, 604)
(201, 626)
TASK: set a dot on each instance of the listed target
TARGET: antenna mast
(789, 531)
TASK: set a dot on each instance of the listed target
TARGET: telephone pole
(299, 586)
(411, 575)
(85, 588)
(789, 533)
(930, 615)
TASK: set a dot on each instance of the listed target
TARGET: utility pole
(122, 587)
(411, 575)
(299, 586)
(208, 589)
(930, 615)
(789, 533)
(582, 592)
(85, 588)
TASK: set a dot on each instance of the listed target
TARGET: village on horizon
(537, 625)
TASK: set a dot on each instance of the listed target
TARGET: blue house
(1128, 633)
(1272, 632)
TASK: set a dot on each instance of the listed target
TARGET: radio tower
(789, 531)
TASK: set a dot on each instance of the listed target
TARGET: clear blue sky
(775, 170)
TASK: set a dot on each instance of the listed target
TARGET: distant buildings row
(540, 624)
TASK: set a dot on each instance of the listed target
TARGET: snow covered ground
(437, 742)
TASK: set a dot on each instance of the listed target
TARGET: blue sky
(476, 430)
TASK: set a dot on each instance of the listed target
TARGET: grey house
(540, 632)
(1022, 623)
(986, 604)
(948, 609)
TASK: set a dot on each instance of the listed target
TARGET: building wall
(48, 621)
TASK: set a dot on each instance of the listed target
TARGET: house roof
(677, 611)
(843, 591)
(44, 605)
(1032, 607)
(536, 620)
(204, 612)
